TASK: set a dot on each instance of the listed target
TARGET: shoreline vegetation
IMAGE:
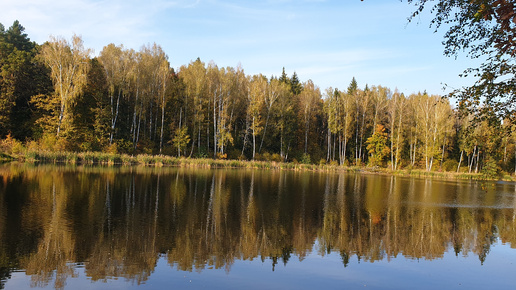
(124, 160)
(56, 99)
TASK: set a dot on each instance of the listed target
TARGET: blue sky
(328, 41)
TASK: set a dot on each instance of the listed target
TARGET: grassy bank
(110, 159)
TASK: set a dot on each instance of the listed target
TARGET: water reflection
(117, 223)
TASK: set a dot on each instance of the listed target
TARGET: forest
(58, 96)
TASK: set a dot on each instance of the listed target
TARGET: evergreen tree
(284, 78)
(21, 77)
(295, 85)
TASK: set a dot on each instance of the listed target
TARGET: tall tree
(295, 85)
(194, 78)
(396, 115)
(68, 62)
(91, 112)
(22, 76)
(308, 98)
(255, 103)
(275, 90)
(117, 65)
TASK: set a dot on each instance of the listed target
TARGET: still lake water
(119, 228)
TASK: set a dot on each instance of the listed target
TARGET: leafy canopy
(481, 28)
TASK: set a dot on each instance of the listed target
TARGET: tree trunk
(215, 124)
(328, 153)
(254, 138)
(398, 142)
(264, 130)
(61, 116)
(162, 123)
(460, 161)
(306, 136)
(472, 159)
(179, 143)
(478, 159)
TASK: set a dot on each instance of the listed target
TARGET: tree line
(60, 97)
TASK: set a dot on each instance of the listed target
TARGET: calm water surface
(120, 228)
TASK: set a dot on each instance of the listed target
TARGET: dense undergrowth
(32, 152)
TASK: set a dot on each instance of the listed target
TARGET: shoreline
(110, 159)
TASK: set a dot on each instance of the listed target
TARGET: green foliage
(201, 153)
(11, 146)
(490, 170)
(482, 29)
(181, 140)
(132, 102)
(21, 76)
(450, 165)
(377, 146)
(276, 157)
(121, 146)
(305, 159)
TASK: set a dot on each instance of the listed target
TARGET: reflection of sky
(324, 272)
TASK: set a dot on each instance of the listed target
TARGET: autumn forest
(58, 96)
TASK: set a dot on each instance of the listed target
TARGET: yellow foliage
(11, 146)
(222, 156)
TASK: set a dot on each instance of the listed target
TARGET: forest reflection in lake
(62, 226)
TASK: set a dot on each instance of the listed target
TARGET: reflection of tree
(118, 222)
(5, 266)
(56, 250)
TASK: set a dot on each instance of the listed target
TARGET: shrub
(234, 154)
(450, 165)
(490, 169)
(276, 157)
(201, 153)
(112, 149)
(305, 159)
(123, 146)
(222, 156)
(11, 146)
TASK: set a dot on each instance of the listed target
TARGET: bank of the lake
(112, 159)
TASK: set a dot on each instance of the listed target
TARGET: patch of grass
(33, 154)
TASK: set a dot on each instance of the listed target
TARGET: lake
(66, 227)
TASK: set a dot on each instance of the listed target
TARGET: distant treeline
(55, 96)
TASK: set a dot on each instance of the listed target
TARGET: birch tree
(396, 115)
(194, 78)
(68, 62)
(308, 101)
(255, 103)
(275, 89)
(117, 65)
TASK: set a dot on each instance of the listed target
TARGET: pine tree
(295, 85)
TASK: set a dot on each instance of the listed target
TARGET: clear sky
(328, 41)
